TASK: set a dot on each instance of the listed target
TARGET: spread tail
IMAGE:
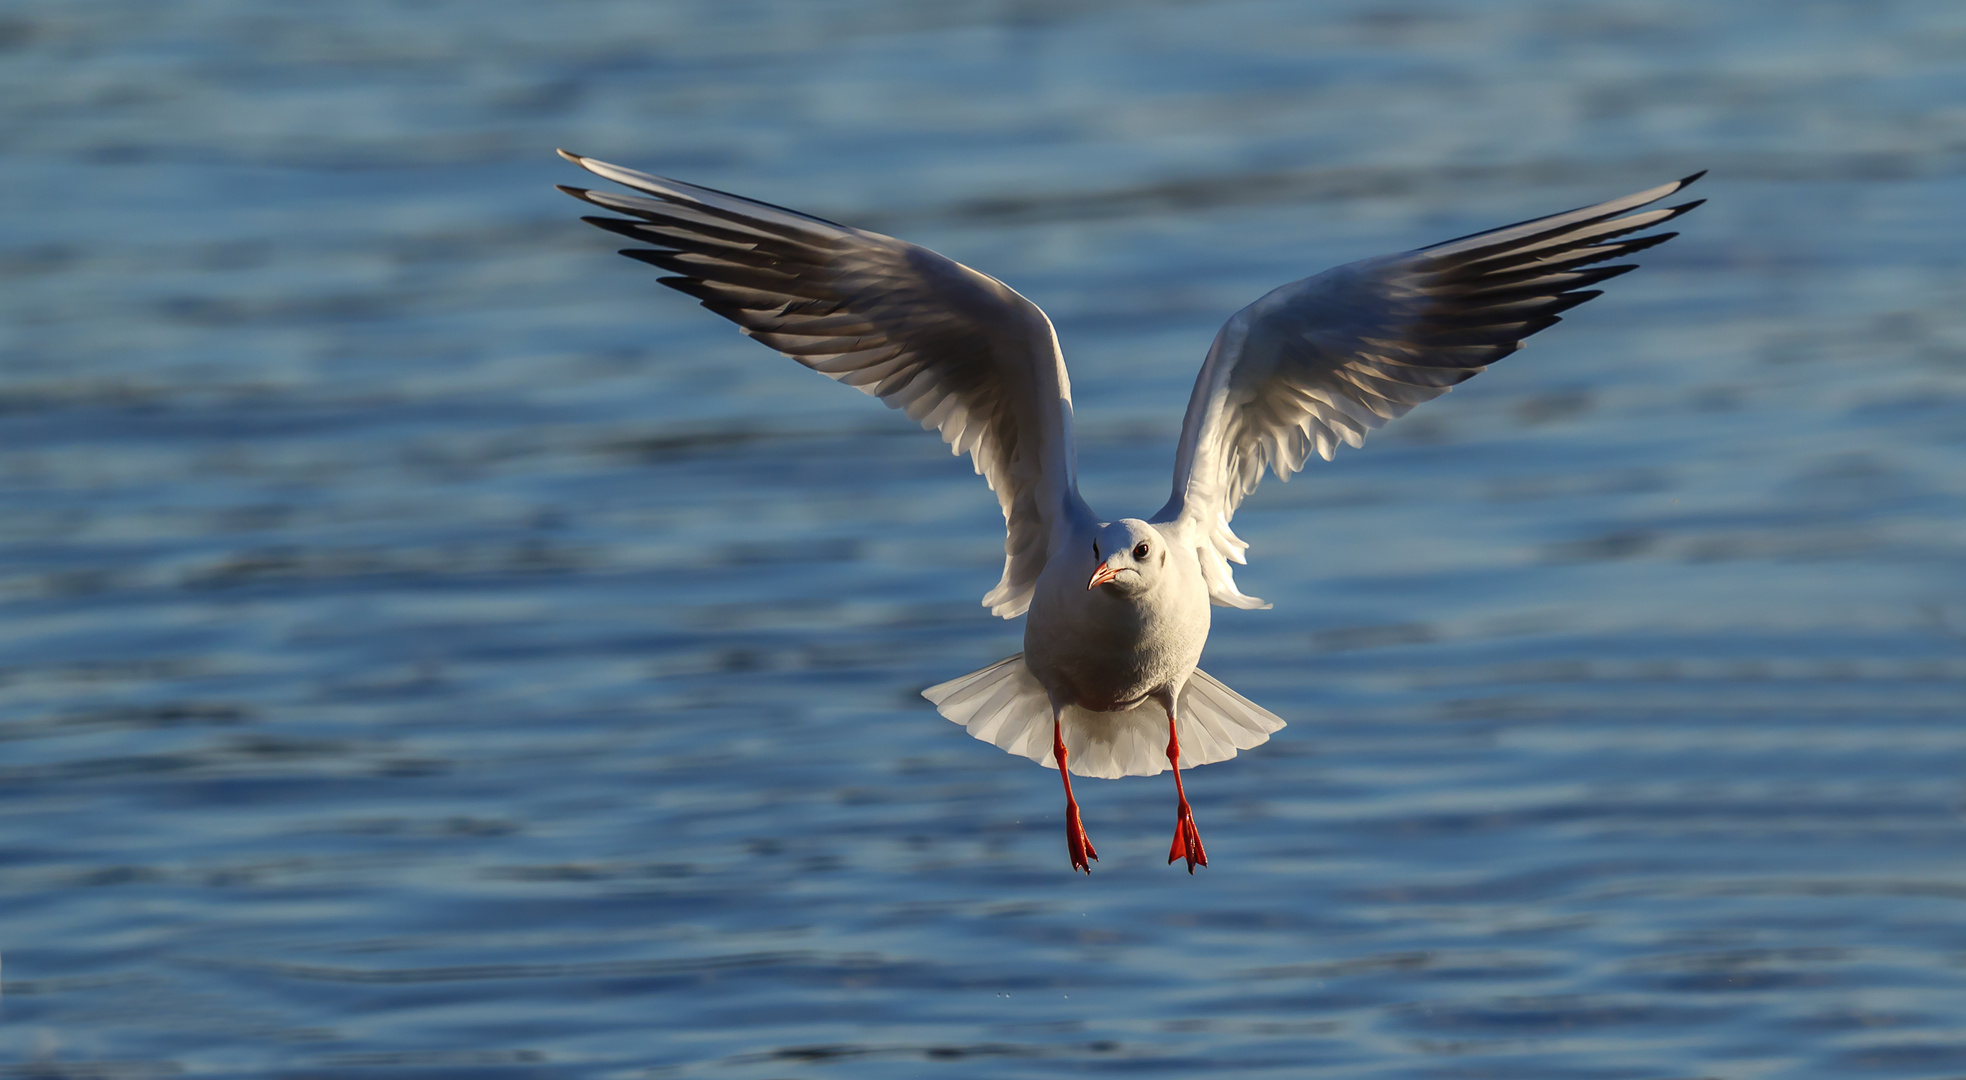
(1004, 705)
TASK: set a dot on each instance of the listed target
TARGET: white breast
(1100, 651)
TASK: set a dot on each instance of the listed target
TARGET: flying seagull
(1118, 610)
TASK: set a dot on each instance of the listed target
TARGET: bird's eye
(1140, 550)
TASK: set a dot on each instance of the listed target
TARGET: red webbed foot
(1076, 842)
(1187, 840)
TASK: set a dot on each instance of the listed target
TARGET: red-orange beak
(1106, 572)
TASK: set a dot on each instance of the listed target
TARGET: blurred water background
(429, 648)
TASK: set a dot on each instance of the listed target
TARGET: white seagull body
(1118, 611)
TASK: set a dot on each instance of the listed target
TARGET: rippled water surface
(431, 649)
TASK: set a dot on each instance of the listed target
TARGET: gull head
(1130, 555)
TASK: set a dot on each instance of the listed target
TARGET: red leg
(1075, 838)
(1187, 840)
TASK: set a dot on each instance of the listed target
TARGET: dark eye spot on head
(1140, 550)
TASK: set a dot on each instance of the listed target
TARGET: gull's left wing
(958, 351)
(1327, 359)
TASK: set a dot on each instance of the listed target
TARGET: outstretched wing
(958, 351)
(1327, 359)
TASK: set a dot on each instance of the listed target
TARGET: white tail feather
(1004, 705)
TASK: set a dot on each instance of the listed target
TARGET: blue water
(429, 648)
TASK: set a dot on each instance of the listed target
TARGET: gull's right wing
(958, 351)
(1327, 359)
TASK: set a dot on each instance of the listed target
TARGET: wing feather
(1331, 358)
(958, 351)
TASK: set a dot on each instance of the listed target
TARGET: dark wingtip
(618, 226)
(705, 296)
(1682, 183)
(1633, 247)
(1684, 207)
(577, 192)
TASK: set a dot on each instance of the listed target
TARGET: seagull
(1117, 611)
